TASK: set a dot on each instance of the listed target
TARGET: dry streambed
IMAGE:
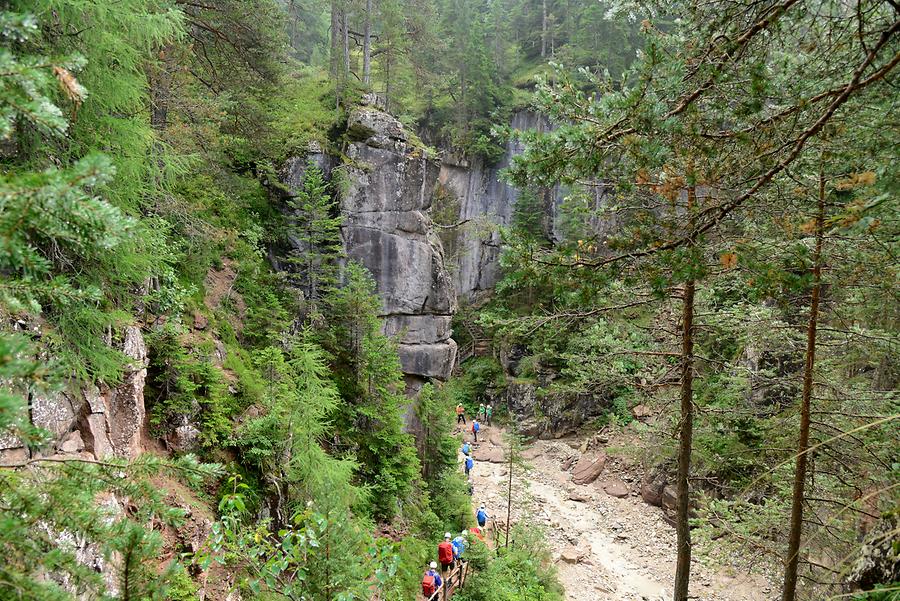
(608, 544)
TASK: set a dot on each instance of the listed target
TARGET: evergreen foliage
(314, 232)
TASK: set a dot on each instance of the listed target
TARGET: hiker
(489, 411)
(470, 487)
(475, 428)
(482, 516)
(459, 546)
(431, 581)
(466, 449)
(445, 553)
(460, 414)
(481, 411)
(478, 533)
(469, 463)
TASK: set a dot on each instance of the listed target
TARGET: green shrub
(523, 571)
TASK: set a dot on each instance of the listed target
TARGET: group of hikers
(485, 413)
(451, 550)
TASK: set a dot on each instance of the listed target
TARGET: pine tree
(314, 232)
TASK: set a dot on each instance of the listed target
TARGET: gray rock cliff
(476, 194)
(388, 184)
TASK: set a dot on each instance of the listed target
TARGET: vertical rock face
(477, 192)
(388, 184)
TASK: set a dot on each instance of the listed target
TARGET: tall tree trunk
(543, 28)
(682, 507)
(388, 60)
(792, 557)
(512, 444)
(367, 44)
(334, 55)
(345, 41)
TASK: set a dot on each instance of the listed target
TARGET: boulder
(615, 488)
(183, 438)
(367, 122)
(669, 497)
(56, 412)
(15, 456)
(72, 443)
(580, 496)
(641, 412)
(652, 487)
(492, 454)
(878, 560)
(570, 554)
(588, 468)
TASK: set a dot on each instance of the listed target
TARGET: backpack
(482, 516)
(445, 552)
(428, 586)
(469, 463)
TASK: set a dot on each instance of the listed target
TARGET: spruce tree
(314, 232)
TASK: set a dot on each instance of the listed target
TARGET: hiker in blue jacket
(482, 516)
(475, 428)
(431, 581)
(466, 449)
(459, 545)
(469, 464)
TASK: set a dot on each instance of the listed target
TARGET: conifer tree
(314, 232)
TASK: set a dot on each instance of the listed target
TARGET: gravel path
(606, 548)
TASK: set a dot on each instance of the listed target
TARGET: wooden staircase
(479, 344)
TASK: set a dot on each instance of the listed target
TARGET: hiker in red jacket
(431, 581)
(445, 553)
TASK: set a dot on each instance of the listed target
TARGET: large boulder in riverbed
(588, 468)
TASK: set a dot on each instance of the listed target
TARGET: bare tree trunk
(334, 57)
(682, 507)
(543, 28)
(345, 35)
(512, 444)
(367, 44)
(791, 560)
(388, 60)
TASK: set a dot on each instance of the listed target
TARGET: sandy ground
(606, 548)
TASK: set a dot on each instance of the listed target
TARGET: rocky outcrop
(102, 421)
(475, 193)
(878, 560)
(388, 182)
(551, 415)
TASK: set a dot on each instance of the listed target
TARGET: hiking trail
(606, 548)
